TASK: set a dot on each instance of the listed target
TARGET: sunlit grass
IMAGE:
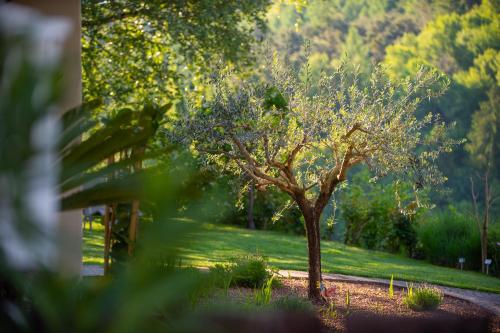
(93, 244)
(220, 243)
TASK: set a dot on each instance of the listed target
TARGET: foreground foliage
(293, 303)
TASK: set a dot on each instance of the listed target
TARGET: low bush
(292, 303)
(251, 271)
(373, 218)
(423, 298)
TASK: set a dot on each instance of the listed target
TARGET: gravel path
(489, 301)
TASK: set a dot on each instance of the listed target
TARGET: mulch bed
(372, 310)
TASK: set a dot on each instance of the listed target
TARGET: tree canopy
(301, 136)
(466, 47)
(154, 50)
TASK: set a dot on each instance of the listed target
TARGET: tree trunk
(109, 214)
(486, 219)
(314, 250)
(483, 228)
(132, 231)
(134, 214)
(251, 200)
(484, 247)
(107, 237)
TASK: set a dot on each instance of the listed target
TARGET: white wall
(70, 223)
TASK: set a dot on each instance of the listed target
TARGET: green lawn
(218, 243)
(93, 244)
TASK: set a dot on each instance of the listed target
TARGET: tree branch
(258, 175)
(291, 157)
(243, 150)
(345, 163)
(266, 148)
(355, 127)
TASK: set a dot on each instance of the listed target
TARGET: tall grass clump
(263, 295)
(249, 271)
(423, 298)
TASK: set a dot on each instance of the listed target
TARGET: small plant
(331, 310)
(391, 287)
(348, 302)
(423, 298)
(293, 303)
(409, 289)
(263, 295)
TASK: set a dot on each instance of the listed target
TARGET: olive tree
(303, 137)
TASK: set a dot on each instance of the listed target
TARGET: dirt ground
(372, 310)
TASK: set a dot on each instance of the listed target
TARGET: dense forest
(459, 38)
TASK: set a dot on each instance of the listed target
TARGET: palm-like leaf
(85, 176)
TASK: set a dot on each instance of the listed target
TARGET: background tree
(371, 31)
(483, 146)
(134, 51)
(459, 38)
(303, 137)
(464, 46)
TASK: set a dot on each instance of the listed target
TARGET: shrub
(447, 235)
(423, 298)
(247, 271)
(250, 271)
(267, 204)
(373, 219)
(292, 303)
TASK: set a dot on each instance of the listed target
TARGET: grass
(423, 298)
(93, 244)
(216, 243)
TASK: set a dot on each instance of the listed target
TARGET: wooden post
(251, 201)
(134, 218)
(109, 217)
